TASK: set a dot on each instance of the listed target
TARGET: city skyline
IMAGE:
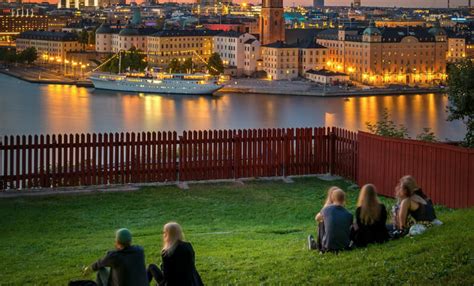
(381, 3)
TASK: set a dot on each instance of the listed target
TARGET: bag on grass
(417, 229)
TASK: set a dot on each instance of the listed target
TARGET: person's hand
(86, 270)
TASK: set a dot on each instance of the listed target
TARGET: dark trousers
(103, 275)
(321, 232)
(153, 272)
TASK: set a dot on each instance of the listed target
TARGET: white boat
(199, 83)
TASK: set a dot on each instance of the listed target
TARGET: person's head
(123, 238)
(339, 197)
(410, 182)
(404, 189)
(329, 200)
(172, 234)
(369, 204)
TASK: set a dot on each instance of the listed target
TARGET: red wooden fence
(445, 172)
(119, 158)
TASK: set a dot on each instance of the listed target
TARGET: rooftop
(49, 36)
(186, 33)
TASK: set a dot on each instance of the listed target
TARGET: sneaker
(311, 242)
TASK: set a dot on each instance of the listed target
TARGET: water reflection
(34, 109)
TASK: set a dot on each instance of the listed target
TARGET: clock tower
(272, 24)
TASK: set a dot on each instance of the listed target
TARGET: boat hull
(155, 86)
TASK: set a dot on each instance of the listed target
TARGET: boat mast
(120, 62)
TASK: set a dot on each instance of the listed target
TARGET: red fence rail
(445, 172)
(119, 158)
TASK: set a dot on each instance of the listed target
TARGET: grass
(251, 234)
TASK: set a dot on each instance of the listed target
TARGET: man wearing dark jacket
(124, 266)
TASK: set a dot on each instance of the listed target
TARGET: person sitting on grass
(410, 205)
(411, 183)
(337, 225)
(371, 217)
(311, 243)
(123, 266)
(178, 263)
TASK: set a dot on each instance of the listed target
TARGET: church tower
(272, 24)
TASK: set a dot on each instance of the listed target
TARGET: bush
(387, 128)
(427, 135)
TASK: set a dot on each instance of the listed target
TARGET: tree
(83, 38)
(215, 65)
(187, 66)
(132, 59)
(386, 127)
(28, 55)
(461, 97)
(91, 36)
(174, 66)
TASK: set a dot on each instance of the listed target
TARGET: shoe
(311, 242)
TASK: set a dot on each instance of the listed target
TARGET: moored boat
(161, 83)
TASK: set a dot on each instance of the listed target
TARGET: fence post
(2, 186)
(237, 155)
(332, 153)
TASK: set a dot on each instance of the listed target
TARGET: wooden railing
(119, 158)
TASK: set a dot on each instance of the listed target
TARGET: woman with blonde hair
(371, 216)
(334, 223)
(411, 204)
(178, 263)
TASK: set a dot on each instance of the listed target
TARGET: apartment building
(166, 45)
(403, 55)
(51, 44)
(230, 46)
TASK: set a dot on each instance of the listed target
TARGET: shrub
(387, 128)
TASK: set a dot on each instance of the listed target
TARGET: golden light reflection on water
(68, 109)
(64, 103)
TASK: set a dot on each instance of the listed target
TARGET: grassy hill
(242, 234)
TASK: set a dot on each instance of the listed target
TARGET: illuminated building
(388, 55)
(288, 61)
(456, 47)
(230, 46)
(326, 77)
(78, 4)
(210, 7)
(166, 45)
(272, 25)
(20, 21)
(112, 40)
(280, 60)
(470, 47)
(311, 56)
(252, 56)
(399, 23)
(49, 44)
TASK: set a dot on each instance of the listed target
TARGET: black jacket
(179, 268)
(376, 232)
(127, 266)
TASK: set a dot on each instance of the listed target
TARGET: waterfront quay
(297, 87)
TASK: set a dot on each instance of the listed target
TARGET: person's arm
(105, 261)
(165, 266)
(319, 217)
(403, 213)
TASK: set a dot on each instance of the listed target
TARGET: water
(38, 109)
